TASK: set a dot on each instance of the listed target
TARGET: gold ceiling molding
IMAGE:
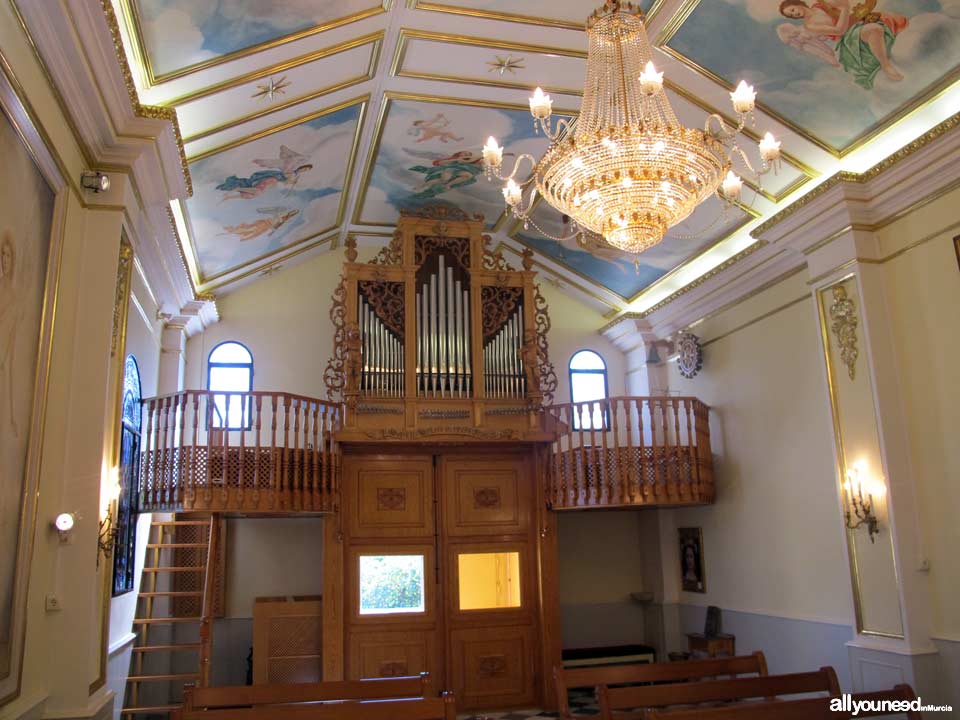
(276, 69)
(388, 99)
(925, 98)
(515, 17)
(134, 22)
(407, 35)
(845, 176)
(363, 102)
(180, 250)
(139, 109)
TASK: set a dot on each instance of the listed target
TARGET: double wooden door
(440, 569)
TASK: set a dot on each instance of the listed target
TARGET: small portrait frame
(693, 576)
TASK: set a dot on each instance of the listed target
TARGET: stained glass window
(124, 549)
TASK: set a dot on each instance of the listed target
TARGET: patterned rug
(581, 705)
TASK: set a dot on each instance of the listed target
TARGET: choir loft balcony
(278, 452)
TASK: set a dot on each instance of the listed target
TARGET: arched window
(588, 381)
(229, 375)
(124, 549)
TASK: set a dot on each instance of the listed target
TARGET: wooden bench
(436, 708)
(673, 672)
(253, 696)
(637, 702)
(809, 709)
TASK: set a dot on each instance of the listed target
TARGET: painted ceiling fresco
(181, 34)
(305, 121)
(271, 193)
(835, 73)
(621, 273)
(428, 153)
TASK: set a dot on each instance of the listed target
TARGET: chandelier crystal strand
(626, 169)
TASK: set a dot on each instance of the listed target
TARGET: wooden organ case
(441, 361)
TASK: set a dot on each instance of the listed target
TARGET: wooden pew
(435, 708)
(246, 696)
(636, 703)
(673, 672)
(809, 709)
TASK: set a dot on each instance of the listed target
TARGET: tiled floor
(581, 705)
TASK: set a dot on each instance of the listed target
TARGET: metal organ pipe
(382, 353)
(503, 363)
(443, 334)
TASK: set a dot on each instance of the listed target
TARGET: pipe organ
(438, 335)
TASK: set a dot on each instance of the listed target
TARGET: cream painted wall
(773, 542)
(284, 319)
(272, 557)
(923, 295)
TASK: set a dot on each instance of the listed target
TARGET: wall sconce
(63, 524)
(860, 511)
(107, 533)
(96, 182)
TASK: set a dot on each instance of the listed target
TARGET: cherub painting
(435, 128)
(277, 218)
(445, 173)
(283, 171)
(858, 39)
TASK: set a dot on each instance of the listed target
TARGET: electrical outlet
(52, 603)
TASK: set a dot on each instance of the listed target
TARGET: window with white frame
(230, 378)
(588, 382)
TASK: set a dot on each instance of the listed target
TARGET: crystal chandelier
(626, 169)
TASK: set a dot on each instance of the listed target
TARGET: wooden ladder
(165, 610)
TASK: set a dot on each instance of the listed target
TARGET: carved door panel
(489, 580)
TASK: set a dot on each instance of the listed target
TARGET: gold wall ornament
(121, 298)
(843, 323)
(689, 355)
(508, 64)
(273, 87)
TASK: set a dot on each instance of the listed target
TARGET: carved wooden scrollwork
(498, 304)
(459, 248)
(493, 260)
(334, 377)
(442, 212)
(386, 299)
(392, 253)
(548, 376)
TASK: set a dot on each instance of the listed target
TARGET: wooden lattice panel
(197, 557)
(287, 640)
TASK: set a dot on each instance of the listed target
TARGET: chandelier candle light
(627, 169)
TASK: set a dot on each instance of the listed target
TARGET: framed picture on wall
(692, 572)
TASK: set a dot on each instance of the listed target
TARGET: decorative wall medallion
(508, 64)
(689, 355)
(486, 498)
(843, 322)
(272, 88)
(391, 499)
(489, 666)
(393, 668)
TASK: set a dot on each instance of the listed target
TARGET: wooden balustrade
(253, 451)
(631, 451)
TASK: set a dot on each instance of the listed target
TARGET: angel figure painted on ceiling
(436, 127)
(445, 173)
(282, 171)
(278, 217)
(858, 39)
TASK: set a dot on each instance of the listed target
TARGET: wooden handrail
(209, 590)
(630, 451)
(234, 451)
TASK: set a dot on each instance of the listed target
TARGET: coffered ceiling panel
(836, 79)
(179, 36)
(270, 192)
(427, 151)
(207, 112)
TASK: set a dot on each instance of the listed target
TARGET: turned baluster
(643, 466)
(297, 469)
(680, 486)
(224, 439)
(558, 485)
(690, 450)
(665, 488)
(274, 453)
(583, 488)
(192, 480)
(210, 432)
(605, 472)
(616, 469)
(181, 456)
(167, 450)
(285, 467)
(257, 458)
(241, 460)
(315, 460)
(150, 469)
(628, 491)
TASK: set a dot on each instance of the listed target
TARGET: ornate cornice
(859, 178)
(149, 112)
